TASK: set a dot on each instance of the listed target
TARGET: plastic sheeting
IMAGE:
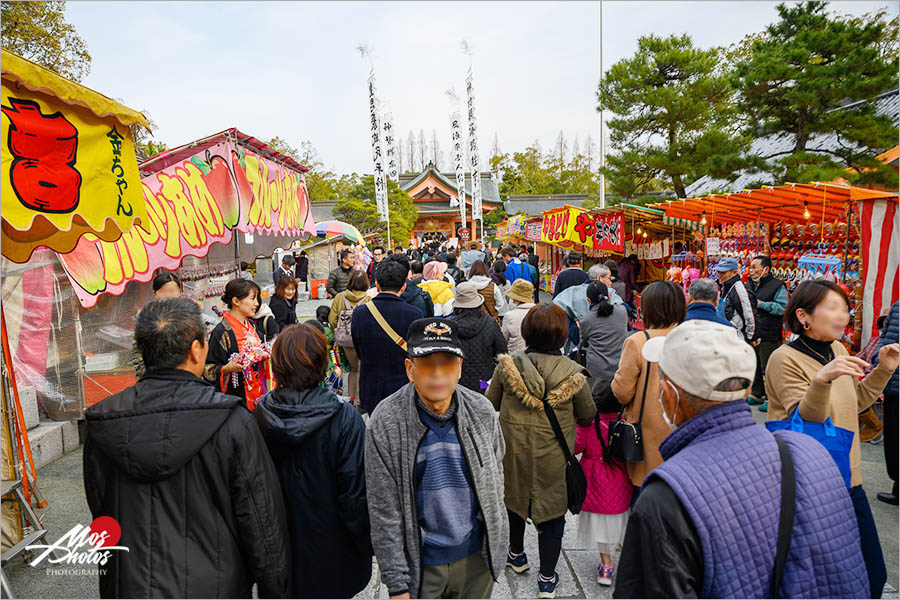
(74, 356)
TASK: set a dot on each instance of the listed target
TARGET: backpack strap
(385, 326)
(786, 515)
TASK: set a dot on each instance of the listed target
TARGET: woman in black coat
(284, 303)
(480, 337)
(317, 443)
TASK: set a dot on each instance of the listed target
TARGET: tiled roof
(535, 205)
(489, 191)
(885, 104)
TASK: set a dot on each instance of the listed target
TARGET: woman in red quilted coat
(604, 513)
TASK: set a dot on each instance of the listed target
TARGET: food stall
(613, 233)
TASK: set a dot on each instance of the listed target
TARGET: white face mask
(665, 417)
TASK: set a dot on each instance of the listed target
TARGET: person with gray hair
(574, 300)
(703, 296)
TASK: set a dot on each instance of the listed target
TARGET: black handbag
(625, 439)
(579, 353)
(576, 482)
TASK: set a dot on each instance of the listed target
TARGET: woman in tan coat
(663, 308)
(534, 466)
(815, 375)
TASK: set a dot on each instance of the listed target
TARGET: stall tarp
(191, 204)
(572, 226)
(825, 202)
(558, 226)
(601, 232)
(68, 162)
(533, 230)
(515, 226)
(880, 249)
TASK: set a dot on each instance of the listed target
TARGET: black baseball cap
(430, 335)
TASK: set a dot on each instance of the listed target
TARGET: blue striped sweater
(447, 507)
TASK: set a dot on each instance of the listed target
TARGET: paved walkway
(61, 484)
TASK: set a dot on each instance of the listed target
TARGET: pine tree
(814, 74)
(674, 116)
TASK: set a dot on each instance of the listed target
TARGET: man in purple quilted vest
(706, 522)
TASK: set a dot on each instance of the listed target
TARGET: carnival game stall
(817, 230)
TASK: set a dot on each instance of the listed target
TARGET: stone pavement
(61, 484)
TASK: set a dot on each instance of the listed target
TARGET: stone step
(51, 439)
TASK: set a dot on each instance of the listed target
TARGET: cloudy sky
(292, 69)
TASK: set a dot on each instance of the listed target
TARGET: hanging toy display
(740, 241)
(674, 274)
(687, 276)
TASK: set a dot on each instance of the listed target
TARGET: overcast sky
(292, 69)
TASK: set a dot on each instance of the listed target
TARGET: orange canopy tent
(769, 204)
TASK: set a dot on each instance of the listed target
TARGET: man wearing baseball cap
(739, 304)
(708, 521)
(434, 476)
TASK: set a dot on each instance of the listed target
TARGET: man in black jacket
(382, 370)
(186, 473)
(378, 255)
(573, 274)
(285, 270)
(771, 300)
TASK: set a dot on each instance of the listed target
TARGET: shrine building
(431, 192)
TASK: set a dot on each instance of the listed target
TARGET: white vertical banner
(473, 150)
(459, 156)
(392, 159)
(377, 156)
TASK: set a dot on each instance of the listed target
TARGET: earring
(806, 325)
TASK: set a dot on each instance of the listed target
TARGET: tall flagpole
(602, 145)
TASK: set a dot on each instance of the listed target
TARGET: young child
(334, 372)
(604, 513)
(322, 317)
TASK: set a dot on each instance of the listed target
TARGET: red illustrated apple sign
(43, 173)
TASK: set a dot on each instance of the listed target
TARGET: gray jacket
(469, 258)
(392, 440)
(603, 337)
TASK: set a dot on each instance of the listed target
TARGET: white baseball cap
(698, 355)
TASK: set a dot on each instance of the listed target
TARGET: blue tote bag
(836, 440)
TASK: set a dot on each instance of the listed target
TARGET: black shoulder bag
(576, 482)
(786, 515)
(579, 353)
(625, 439)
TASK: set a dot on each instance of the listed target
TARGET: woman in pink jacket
(604, 513)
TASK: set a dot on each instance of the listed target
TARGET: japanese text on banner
(377, 156)
(191, 205)
(390, 147)
(473, 150)
(459, 155)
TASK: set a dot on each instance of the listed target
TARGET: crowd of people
(465, 404)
